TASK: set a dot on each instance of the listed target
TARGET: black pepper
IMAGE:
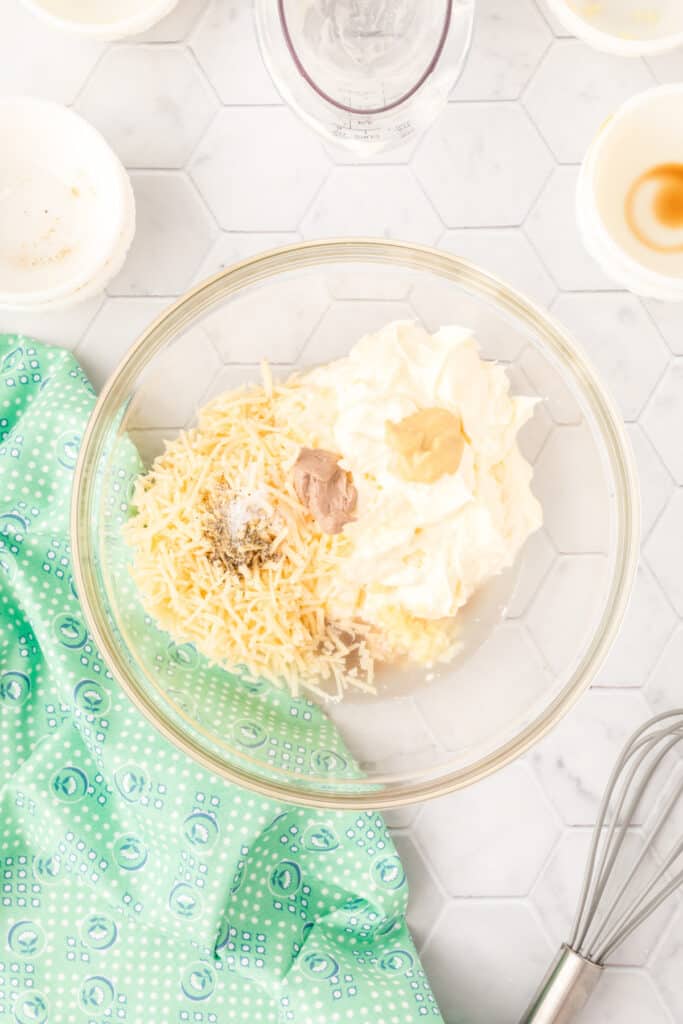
(236, 549)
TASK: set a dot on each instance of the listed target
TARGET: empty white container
(629, 28)
(102, 19)
(67, 212)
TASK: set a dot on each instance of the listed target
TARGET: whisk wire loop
(637, 765)
(649, 755)
(627, 929)
(607, 913)
(584, 912)
(613, 841)
(639, 909)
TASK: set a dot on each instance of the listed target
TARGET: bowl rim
(608, 42)
(119, 28)
(301, 255)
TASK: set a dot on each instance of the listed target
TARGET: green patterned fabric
(135, 886)
(274, 733)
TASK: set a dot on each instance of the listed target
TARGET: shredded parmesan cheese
(269, 618)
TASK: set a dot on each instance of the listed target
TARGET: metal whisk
(602, 923)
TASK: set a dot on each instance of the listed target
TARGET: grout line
(108, 48)
(207, 208)
(481, 101)
(544, 263)
(430, 201)
(189, 49)
(327, 177)
(546, 181)
(644, 303)
(202, 138)
(197, 23)
(542, 56)
(647, 404)
(658, 518)
(541, 8)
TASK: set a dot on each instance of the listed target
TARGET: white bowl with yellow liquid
(630, 195)
(627, 28)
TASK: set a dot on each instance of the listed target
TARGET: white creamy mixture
(345, 516)
(422, 548)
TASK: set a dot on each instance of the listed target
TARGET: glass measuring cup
(367, 74)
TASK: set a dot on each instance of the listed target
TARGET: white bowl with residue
(628, 28)
(629, 198)
(102, 19)
(67, 213)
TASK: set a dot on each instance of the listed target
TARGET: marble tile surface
(621, 341)
(663, 419)
(242, 77)
(649, 622)
(107, 339)
(386, 202)
(258, 168)
(152, 104)
(485, 958)
(663, 687)
(575, 89)
(551, 226)
(656, 484)
(509, 41)
(506, 252)
(524, 826)
(174, 28)
(664, 552)
(575, 760)
(496, 156)
(174, 232)
(222, 170)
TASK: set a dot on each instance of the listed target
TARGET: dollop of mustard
(426, 445)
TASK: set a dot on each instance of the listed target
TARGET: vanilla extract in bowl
(654, 208)
(630, 194)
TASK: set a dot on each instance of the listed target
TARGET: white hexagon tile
(222, 169)
(574, 90)
(152, 103)
(509, 41)
(483, 164)
(551, 226)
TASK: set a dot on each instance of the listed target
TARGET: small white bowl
(67, 212)
(102, 19)
(628, 28)
(616, 202)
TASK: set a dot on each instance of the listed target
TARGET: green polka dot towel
(135, 887)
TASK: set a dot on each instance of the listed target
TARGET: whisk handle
(565, 989)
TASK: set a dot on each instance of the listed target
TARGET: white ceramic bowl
(645, 133)
(67, 213)
(102, 19)
(629, 28)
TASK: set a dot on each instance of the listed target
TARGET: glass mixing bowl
(533, 638)
(367, 74)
